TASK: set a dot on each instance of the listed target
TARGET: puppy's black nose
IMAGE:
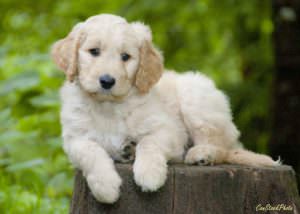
(107, 81)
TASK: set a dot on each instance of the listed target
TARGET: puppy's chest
(110, 129)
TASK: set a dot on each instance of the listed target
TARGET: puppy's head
(108, 57)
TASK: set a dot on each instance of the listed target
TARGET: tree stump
(194, 189)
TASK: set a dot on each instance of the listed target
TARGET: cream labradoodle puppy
(116, 95)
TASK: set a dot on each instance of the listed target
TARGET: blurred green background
(229, 40)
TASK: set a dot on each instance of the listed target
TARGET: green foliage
(228, 40)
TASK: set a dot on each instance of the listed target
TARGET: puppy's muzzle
(106, 81)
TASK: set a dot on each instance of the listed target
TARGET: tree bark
(285, 140)
(193, 189)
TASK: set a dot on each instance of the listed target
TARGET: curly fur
(159, 111)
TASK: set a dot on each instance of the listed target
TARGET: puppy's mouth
(102, 94)
(107, 95)
(104, 91)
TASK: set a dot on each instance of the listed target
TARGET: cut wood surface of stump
(193, 189)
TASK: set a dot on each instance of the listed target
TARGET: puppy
(116, 95)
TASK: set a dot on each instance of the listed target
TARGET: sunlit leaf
(25, 165)
(23, 81)
(45, 100)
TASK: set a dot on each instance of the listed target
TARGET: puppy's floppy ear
(65, 52)
(151, 61)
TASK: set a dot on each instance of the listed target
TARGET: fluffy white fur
(158, 111)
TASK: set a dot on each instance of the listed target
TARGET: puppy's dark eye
(94, 51)
(125, 56)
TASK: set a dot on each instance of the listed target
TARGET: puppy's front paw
(128, 152)
(150, 174)
(201, 155)
(105, 186)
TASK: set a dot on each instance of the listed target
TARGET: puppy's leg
(212, 143)
(152, 154)
(127, 151)
(150, 166)
(205, 154)
(206, 113)
(97, 167)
